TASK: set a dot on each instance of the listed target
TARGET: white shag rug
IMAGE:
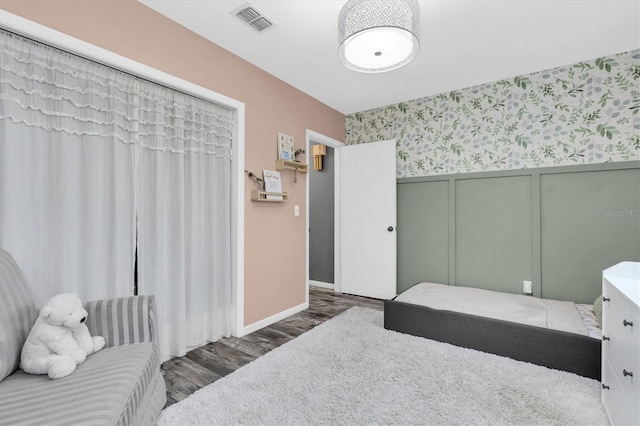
(350, 370)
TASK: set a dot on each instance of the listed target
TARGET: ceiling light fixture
(378, 35)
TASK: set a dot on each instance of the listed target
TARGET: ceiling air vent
(252, 16)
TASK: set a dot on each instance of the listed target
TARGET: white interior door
(367, 199)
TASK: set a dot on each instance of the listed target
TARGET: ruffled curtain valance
(55, 95)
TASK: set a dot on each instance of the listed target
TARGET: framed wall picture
(285, 147)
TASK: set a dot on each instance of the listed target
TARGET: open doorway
(323, 229)
(322, 222)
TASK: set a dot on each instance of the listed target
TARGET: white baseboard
(321, 284)
(272, 319)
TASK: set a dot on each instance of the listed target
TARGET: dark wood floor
(206, 364)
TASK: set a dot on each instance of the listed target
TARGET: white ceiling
(462, 43)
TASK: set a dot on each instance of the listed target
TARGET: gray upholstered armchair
(122, 384)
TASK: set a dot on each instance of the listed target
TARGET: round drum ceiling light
(378, 35)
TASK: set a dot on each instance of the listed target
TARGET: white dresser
(621, 343)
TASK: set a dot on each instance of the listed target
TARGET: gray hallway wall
(321, 220)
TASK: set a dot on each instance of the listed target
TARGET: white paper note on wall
(272, 183)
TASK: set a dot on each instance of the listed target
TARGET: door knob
(390, 229)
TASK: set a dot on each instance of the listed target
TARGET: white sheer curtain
(66, 171)
(184, 240)
(95, 162)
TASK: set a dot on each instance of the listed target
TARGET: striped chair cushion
(112, 387)
(17, 314)
(123, 320)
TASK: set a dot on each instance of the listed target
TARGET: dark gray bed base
(550, 348)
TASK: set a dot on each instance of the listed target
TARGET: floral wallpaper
(583, 113)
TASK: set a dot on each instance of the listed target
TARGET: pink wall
(274, 238)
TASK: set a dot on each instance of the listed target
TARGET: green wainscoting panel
(556, 226)
(423, 247)
(493, 233)
(589, 221)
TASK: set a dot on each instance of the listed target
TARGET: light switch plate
(296, 210)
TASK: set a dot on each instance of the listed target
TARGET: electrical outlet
(527, 287)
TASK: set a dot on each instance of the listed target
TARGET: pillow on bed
(597, 309)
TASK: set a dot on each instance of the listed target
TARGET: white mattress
(546, 313)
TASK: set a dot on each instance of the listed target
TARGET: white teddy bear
(59, 340)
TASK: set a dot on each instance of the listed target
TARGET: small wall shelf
(292, 165)
(257, 195)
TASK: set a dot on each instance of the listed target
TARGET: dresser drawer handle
(605, 386)
(606, 299)
(605, 338)
(627, 323)
(626, 373)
